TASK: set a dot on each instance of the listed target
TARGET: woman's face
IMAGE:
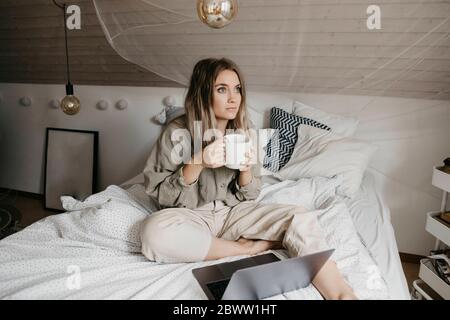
(227, 95)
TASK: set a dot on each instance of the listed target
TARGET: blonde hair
(198, 103)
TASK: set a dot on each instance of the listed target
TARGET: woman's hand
(214, 154)
(250, 157)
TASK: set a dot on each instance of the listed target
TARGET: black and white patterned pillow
(281, 145)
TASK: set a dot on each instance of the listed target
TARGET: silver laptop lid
(274, 278)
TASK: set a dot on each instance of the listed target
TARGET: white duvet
(93, 251)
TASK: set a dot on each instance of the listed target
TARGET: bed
(92, 251)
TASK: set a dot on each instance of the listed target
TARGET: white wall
(412, 135)
(125, 136)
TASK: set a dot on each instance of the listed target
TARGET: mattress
(372, 219)
(93, 251)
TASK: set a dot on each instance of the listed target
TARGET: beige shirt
(164, 181)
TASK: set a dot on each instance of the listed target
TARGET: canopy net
(399, 48)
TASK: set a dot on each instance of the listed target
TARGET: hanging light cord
(63, 7)
(58, 5)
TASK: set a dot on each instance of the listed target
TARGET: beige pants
(184, 235)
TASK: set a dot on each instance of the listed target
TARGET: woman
(208, 210)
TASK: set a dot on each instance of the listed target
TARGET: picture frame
(71, 158)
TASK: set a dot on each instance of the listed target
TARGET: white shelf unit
(429, 276)
(423, 291)
(441, 231)
(441, 179)
(437, 227)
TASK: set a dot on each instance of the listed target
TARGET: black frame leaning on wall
(65, 177)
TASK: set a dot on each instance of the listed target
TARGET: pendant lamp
(216, 13)
(70, 104)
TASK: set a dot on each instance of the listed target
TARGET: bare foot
(256, 246)
(347, 296)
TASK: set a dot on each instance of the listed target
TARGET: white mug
(236, 146)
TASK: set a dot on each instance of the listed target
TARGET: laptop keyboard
(218, 288)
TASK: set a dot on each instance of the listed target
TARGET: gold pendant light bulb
(70, 105)
(216, 13)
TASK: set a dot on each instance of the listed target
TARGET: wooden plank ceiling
(32, 46)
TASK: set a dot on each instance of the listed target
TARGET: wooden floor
(32, 210)
(411, 271)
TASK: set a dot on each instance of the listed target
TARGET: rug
(9, 220)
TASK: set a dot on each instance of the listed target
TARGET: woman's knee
(155, 235)
(171, 237)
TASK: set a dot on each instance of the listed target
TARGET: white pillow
(327, 154)
(261, 139)
(311, 193)
(345, 126)
(255, 117)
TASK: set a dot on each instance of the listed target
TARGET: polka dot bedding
(92, 251)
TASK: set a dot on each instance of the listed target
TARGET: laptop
(260, 276)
